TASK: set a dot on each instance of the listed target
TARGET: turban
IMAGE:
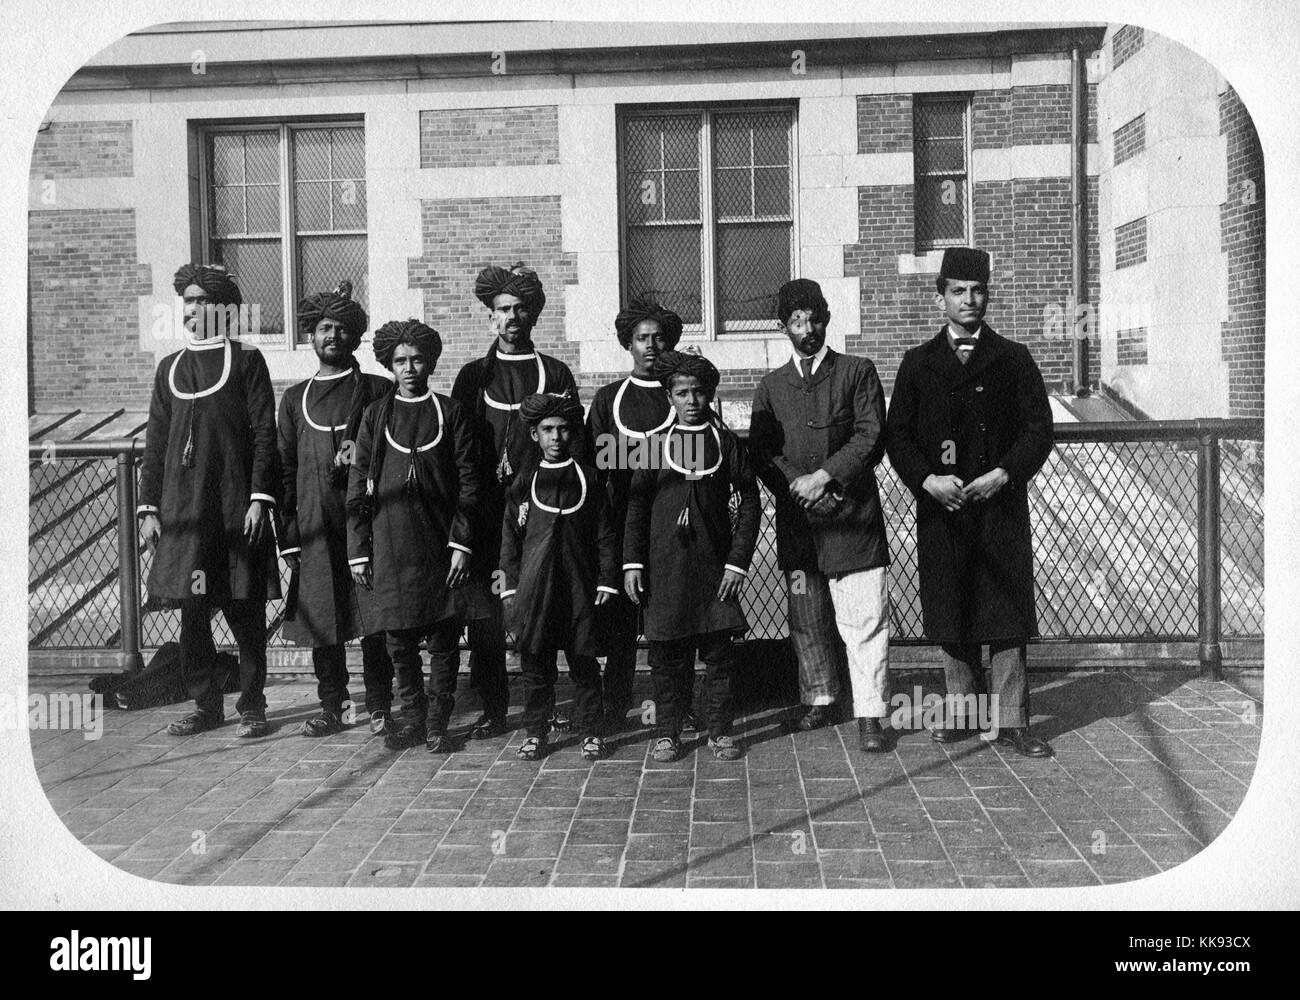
(964, 264)
(337, 305)
(411, 331)
(213, 279)
(539, 405)
(639, 310)
(520, 281)
(802, 293)
(672, 363)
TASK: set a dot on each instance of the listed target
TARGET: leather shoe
(871, 738)
(487, 726)
(1023, 742)
(439, 743)
(816, 717)
(950, 734)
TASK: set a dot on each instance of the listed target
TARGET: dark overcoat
(834, 421)
(977, 564)
(311, 426)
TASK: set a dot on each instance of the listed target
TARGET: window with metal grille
(284, 210)
(708, 212)
(941, 154)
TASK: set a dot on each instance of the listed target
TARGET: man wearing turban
(413, 490)
(817, 434)
(969, 426)
(207, 485)
(625, 423)
(318, 424)
(492, 389)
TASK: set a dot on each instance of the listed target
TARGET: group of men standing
(388, 502)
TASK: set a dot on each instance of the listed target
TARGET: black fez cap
(965, 264)
(801, 293)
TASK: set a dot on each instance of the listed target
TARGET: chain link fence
(1117, 516)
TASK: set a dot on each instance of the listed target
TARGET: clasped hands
(953, 494)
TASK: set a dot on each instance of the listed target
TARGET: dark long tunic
(559, 556)
(311, 429)
(621, 427)
(410, 535)
(221, 391)
(682, 575)
(977, 564)
(491, 390)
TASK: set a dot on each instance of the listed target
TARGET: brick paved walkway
(1150, 767)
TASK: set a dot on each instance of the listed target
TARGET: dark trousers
(539, 675)
(331, 666)
(432, 707)
(672, 672)
(247, 620)
(963, 675)
(487, 662)
(620, 663)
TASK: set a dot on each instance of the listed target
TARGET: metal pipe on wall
(1078, 227)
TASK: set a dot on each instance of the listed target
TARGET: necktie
(963, 346)
(805, 365)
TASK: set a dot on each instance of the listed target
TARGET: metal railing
(1145, 531)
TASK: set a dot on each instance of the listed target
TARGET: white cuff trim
(509, 593)
(736, 569)
(262, 496)
(145, 508)
(456, 545)
(290, 552)
(627, 566)
(606, 590)
(359, 562)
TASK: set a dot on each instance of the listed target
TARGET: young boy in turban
(491, 389)
(207, 486)
(412, 493)
(560, 560)
(682, 559)
(624, 425)
(318, 426)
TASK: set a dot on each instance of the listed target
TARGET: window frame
(289, 232)
(711, 326)
(966, 100)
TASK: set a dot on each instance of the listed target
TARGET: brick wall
(463, 235)
(1024, 224)
(1131, 346)
(83, 149)
(884, 123)
(1126, 41)
(84, 286)
(486, 137)
(1131, 243)
(1130, 139)
(1242, 239)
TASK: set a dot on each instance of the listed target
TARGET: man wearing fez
(817, 435)
(625, 423)
(969, 425)
(207, 486)
(492, 389)
(318, 425)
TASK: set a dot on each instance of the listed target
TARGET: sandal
(725, 748)
(667, 749)
(530, 749)
(593, 748)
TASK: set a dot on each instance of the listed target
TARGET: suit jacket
(977, 564)
(835, 421)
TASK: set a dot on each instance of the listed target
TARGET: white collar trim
(318, 377)
(437, 408)
(645, 383)
(689, 473)
(556, 465)
(618, 421)
(428, 394)
(496, 404)
(225, 374)
(516, 357)
(582, 486)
